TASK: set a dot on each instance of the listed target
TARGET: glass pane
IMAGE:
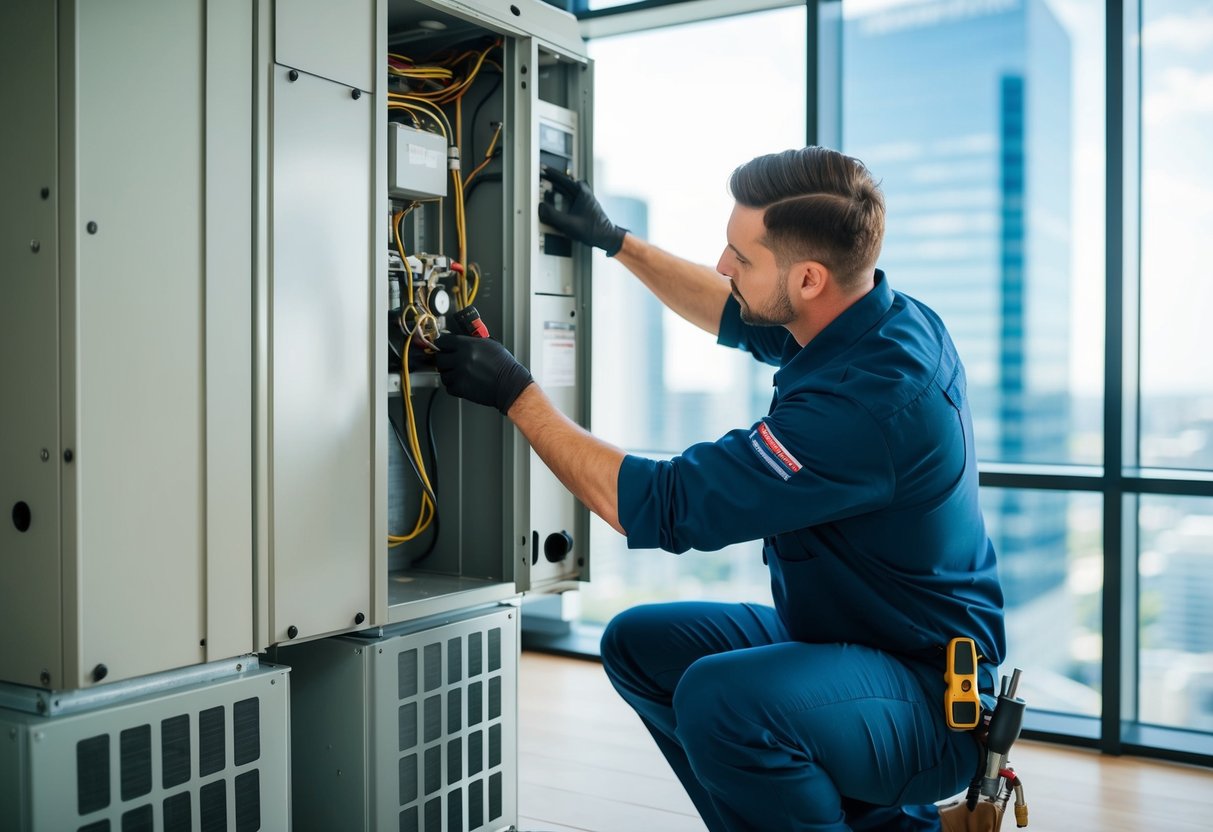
(1050, 559)
(985, 124)
(1176, 215)
(667, 136)
(1176, 612)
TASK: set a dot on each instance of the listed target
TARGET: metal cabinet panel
(554, 363)
(322, 471)
(30, 456)
(332, 40)
(413, 729)
(229, 328)
(137, 338)
(216, 752)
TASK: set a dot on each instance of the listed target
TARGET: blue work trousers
(769, 734)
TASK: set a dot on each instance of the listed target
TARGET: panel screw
(523, 69)
(292, 631)
(293, 75)
(45, 455)
(100, 672)
(46, 678)
(202, 642)
(355, 93)
(239, 667)
(41, 708)
(67, 455)
(524, 85)
(91, 227)
(46, 193)
(359, 618)
(35, 246)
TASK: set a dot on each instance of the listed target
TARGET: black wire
(483, 177)
(412, 462)
(476, 112)
(429, 429)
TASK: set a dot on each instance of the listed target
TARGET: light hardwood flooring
(587, 764)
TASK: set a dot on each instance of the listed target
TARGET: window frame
(1120, 479)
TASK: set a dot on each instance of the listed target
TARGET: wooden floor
(587, 764)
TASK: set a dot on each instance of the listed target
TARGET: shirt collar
(842, 332)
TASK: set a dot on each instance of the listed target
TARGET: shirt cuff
(731, 326)
(637, 509)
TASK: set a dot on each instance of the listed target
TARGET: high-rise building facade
(962, 109)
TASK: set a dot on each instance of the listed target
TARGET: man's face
(758, 283)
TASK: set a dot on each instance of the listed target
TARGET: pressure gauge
(440, 301)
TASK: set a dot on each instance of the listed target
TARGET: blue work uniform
(824, 712)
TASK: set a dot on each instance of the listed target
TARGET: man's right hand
(583, 218)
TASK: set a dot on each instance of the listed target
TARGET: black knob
(557, 546)
(100, 672)
(293, 75)
(292, 631)
(359, 618)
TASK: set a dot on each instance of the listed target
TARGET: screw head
(46, 193)
(292, 631)
(68, 456)
(359, 618)
(35, 246)
(91, 227)
(44, 455)
(355, 93)
(45, 678)
(100, 672)
(293, 75)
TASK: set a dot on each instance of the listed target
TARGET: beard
(777, 312)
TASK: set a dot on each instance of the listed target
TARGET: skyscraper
(962, 108)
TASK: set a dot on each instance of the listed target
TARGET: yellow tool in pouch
(961, 700)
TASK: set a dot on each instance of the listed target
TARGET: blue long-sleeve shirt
(861, 481)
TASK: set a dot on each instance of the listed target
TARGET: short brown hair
(820, 205)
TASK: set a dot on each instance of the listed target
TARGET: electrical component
(417, 163)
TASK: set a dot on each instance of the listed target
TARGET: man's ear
(809, 279)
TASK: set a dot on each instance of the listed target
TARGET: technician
(824, 712)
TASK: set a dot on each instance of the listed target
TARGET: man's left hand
(480, 370)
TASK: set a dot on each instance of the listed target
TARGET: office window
(1175, 615)
(1176, 247)
(1050, 561)
(984, 121)
(676, 110)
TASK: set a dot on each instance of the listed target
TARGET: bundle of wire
(430, 88)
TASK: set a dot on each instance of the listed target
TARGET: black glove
(480, 370)
(583, 218)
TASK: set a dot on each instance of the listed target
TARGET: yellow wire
(426, 515)
(488, 157)
(396, 220)
(413, 104)
(476, 285)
